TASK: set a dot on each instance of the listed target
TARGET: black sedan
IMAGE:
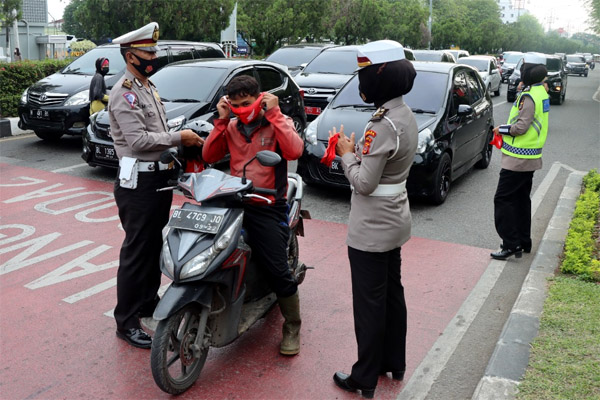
(454, 114)
(190, 90)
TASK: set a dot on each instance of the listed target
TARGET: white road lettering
(26, 231)
(43, 207)
(43, 192)
(82, 216)
(22, 259)
(91, 291)
(74, 269)
(30, 181)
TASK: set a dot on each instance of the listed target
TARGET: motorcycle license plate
(194, 220)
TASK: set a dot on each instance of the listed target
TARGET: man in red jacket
(260, 125)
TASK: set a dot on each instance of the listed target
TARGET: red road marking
(54, 349)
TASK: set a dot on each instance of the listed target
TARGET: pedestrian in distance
(260, 125)
(523, 138)
(380, 219)
(17, 53)
(98, 95)
(139, 129)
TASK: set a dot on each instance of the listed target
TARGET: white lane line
(91, 291)
(502, 102)
(70, 168)
(596, 96)
(435, 361)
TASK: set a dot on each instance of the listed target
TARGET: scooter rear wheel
(175, 360)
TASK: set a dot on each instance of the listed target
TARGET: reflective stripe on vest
(530, 144)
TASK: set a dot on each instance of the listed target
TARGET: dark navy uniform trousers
(379, 314)
(512, 208)
(143, 212)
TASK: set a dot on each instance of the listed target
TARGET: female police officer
(380, 217)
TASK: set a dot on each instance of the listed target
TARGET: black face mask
(104, 70)
(146, 67)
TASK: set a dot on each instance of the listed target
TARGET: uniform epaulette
(379, 114)
(127, 84)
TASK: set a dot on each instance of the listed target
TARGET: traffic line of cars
(317, 87)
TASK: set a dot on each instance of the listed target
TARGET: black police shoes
(135, 337)
(503, 253)
(343, 381)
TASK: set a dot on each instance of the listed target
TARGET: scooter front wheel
(178, 354)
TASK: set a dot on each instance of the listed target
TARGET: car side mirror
(303, 65)
(464, 110)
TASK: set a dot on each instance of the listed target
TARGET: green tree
(449, 27)
(355, 21)
(99, 20)
(483, 26)
(527, 34)
(594, 8)
(406, 22)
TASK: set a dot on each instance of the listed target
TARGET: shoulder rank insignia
(130, 98)
(127, 84)
(138, 83)
(369, 136)
(379, 114)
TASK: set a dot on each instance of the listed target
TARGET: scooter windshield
(210, 184)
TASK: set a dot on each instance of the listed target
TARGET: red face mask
(249, 113)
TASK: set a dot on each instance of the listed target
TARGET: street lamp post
(429, 24)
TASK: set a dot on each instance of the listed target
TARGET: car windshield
(293, 56)
(427, 55)
(575, 59)
(553, 64)
(427, 94)
(333, 62)
(86, 64)
(512, 58)
(180, 82)
(481, 65)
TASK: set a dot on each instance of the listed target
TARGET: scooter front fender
(178, 296)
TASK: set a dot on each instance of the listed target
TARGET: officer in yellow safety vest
(523, 138)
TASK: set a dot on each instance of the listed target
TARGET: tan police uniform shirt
(384, 155)
(138, 122)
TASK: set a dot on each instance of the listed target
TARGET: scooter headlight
(199, 264)
(167, 260)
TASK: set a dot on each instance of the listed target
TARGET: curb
(14, 128)
(510, 358)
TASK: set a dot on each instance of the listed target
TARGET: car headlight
(199, 264)
(78, 99)
(311, 131)
(174, 124)
(24, 96)
(425, 140)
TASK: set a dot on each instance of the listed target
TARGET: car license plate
(39, 114)
(194, 220)
(336, 168)
(312, 110)
(105, 152)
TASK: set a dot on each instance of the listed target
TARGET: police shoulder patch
(127, 84)
(546, 105)
(369, 136)
(130, 98)
(379, 114)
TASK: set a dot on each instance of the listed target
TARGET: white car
(488, 70)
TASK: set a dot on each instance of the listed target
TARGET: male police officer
(523, 138)
(139, 130)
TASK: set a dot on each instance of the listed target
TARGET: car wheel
(510, 97)
(562, 97)
(299, 126)
(486, 153)
(586, 74)
(441, 183)
(489, 88)
(48, 135)
(497, 92)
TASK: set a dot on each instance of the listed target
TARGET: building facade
(511, 10)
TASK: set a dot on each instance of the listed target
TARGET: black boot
(344, 382)
(504, 253)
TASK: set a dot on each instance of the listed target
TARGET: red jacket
(276, 133)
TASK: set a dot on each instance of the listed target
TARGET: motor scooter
(218, 291)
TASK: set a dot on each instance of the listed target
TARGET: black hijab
(97, 85)
(533, 73)
(382, 82)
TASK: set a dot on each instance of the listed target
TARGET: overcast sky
(568, 14)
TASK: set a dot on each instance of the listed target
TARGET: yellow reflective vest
(530, 144)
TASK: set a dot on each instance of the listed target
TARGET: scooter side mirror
(268, 158)
(168, 156)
